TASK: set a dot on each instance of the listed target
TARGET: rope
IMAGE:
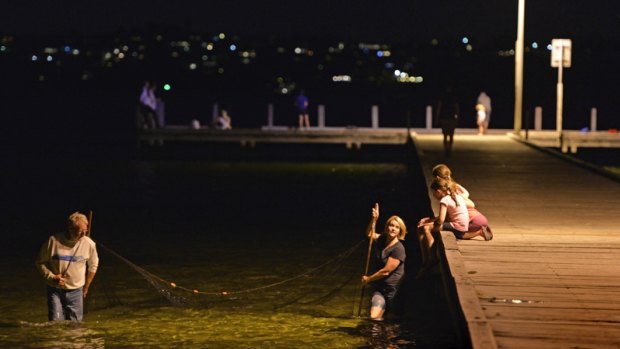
(173, 285)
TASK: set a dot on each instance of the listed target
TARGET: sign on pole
(561, 52)
(560, 58)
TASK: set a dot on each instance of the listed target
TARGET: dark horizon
(356, 20)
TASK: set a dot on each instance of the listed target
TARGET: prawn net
(336, 278)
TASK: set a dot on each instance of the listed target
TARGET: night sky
(356, 19)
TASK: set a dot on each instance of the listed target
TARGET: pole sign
(561, 52)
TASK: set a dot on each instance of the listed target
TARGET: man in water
(68, 261)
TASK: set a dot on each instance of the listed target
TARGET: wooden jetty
(351, 137)
(572, 140)
(550, 278)
(354, 137)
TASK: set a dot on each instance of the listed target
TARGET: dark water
(280, 229)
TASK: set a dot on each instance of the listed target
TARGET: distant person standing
(448, 115)
(301, 102)
(68, 262)
(481, 119)
(224, 121)
(485, 100)
(148, 105)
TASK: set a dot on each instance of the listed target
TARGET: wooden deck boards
(550, 278)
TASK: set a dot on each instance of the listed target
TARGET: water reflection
(56, 334)
(174, 220)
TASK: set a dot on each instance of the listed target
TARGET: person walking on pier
(68, 262)
(448, 115)
(389, 261)
(301, 102)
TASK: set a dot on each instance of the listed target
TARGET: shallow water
(283, 239)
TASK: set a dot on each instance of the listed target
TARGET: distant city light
(34, 58)
(192, 66)
(297, 50)
(75, 52)
(209, 47)
(506, 53)
(534, 44)
(222, 36)
(469, 47)
(232, 47)
(49, 58)
(67, 49)
(2, 48)
(167, 87)
(396, 72)
(465, 40)
(341, 78)
(406, 78)
(549, 47)
(379, 53)
(434, 42)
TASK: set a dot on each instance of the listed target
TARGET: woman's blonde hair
(401, 224)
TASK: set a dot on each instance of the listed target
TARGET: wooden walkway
(356, 136)
(350, 137)
(550, 278)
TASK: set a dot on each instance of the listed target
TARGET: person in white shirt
(68, 262)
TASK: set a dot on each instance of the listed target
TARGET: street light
(519, 68)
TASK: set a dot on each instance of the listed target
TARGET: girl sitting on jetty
(452, 217)
(478, 223)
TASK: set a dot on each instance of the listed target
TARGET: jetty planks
(550, 278)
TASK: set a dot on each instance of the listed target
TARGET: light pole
(519, 68)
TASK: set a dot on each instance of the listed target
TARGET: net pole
(370, 239)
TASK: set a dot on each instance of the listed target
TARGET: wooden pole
(90, 222)
(371, 238)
